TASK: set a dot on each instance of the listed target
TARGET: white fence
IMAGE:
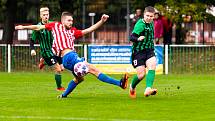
(17, 57)
(177, 58)
(192, 59)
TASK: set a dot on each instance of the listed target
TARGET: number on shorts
(53, 61)
(135, 62)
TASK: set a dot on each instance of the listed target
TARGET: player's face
(44, 16)
(138, 12)
(67, 22)
(156, 15)
(148, 17)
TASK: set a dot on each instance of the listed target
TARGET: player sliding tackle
(64, 37)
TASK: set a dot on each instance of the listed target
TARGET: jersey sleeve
(49, 26)
(34, 36)
(138, 28)
(78, 33)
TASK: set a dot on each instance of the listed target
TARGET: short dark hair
(149, 9)
(138, 9)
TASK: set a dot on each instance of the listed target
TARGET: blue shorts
(70, 59)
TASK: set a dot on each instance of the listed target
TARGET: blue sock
(69, 89)
(107, 79)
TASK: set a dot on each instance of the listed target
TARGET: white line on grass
(71, 118)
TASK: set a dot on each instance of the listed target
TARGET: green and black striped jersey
(45, 39)
(142, 28)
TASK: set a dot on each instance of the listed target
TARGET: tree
(8, 24)
(177, 9)
(13, 12)
(70, 5)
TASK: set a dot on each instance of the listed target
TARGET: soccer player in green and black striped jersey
(143, 55)
(45, 39)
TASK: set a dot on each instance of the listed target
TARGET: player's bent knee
(78, 80)
(152, 67)
(93, 70)
(141, 76)
(58, 70)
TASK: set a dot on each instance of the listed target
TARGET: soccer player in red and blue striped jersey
(64, 36)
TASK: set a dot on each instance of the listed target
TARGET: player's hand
(62, 67)
(33, 53)
(141, 38)
(19, 27)
(104, 17)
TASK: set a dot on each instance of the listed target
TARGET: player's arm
(137, 33)
(32, 48)
(31, 27)
(97, 25)
(135, 37)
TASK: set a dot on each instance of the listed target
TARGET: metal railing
(17, 57)
(178, 59)
(190, 59)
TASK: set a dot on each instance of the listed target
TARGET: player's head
(67, 20)
(138, 12)
(157, 14)
(149, 13)
(44, 14)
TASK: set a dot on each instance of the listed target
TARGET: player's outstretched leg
(132, 91)
(71, 86)
(123, 83)
(136, 80)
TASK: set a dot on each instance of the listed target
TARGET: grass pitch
(32, 97)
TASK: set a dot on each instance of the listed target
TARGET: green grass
(32, 97)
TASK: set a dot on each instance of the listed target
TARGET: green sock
(58, 80)
(150, 78)
(45, 63)
(135, 81)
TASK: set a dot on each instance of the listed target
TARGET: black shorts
(140, 58)
(50, 61)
